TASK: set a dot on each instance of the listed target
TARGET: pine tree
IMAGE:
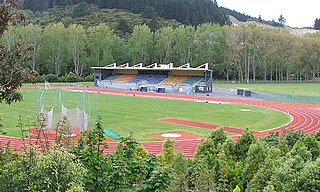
(317, 24)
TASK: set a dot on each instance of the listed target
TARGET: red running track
(305, 117)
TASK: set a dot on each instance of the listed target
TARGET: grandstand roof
(154, 66)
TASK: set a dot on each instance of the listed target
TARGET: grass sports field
(300, 89)
(125, 114)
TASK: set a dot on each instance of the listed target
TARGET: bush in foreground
(220, 164)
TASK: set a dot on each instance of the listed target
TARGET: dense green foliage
(191, 12)
(56, 170)
(93, 16)
(243, 54)
(290, 163)
(12, 72)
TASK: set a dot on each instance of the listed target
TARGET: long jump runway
(305, 117)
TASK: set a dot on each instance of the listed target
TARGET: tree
(53, 51)
(123, 28)
(89, 151)
(163, 44)
(167, 155)
(183, 44)
(141, 44)
(78, 38)
(255, 159)
(12, 74)
(209, 42)
(9, 12)
(282, 20)
(56, 170)
(243, 144)
(317, 24)
(31, 35)
(101, 40)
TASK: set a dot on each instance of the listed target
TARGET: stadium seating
(112, 77)
(124, 78)
(139, 78)
(156, 79)
(174, 80)
(191, 80)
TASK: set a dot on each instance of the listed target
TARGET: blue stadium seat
(156, 79)
(139, 78)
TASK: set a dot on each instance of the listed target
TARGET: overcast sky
(299, 13)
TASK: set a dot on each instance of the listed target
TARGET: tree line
(269, 164)
(242, 54)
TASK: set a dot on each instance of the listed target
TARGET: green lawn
(125, 114)
(63, 83)
(299, 89)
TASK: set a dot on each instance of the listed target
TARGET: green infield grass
(125, 114)
(299, 89)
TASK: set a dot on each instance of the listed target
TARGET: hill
(300, 32)
(190, 12)
(91, 15)
(239, 16)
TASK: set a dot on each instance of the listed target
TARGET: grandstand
(124, 78)
(155, 77)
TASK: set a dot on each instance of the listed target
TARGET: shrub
(41, 79)
(61, 79)
(52, 78)
(71, 77)
(57, 170)
(89, 78)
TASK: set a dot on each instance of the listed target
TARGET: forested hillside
(90, 15)
(191, 12)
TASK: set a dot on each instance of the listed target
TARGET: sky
(298, 13)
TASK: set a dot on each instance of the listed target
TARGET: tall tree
(163, 44)
(141, 44)
(282, 20)
(53, 51)
(9, 12)
(184, 44)
(12, 74)
(317, 24)
(77, 38)
(31, 34)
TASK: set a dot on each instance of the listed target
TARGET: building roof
(154, 66)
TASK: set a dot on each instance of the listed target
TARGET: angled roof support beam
(125, 65)
(112, 65)
(138, 65)
(187, 65)
(155, 65)
(204, 66)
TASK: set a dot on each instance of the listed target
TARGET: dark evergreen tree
(123, 28)
(282, 20)
(317, 24)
